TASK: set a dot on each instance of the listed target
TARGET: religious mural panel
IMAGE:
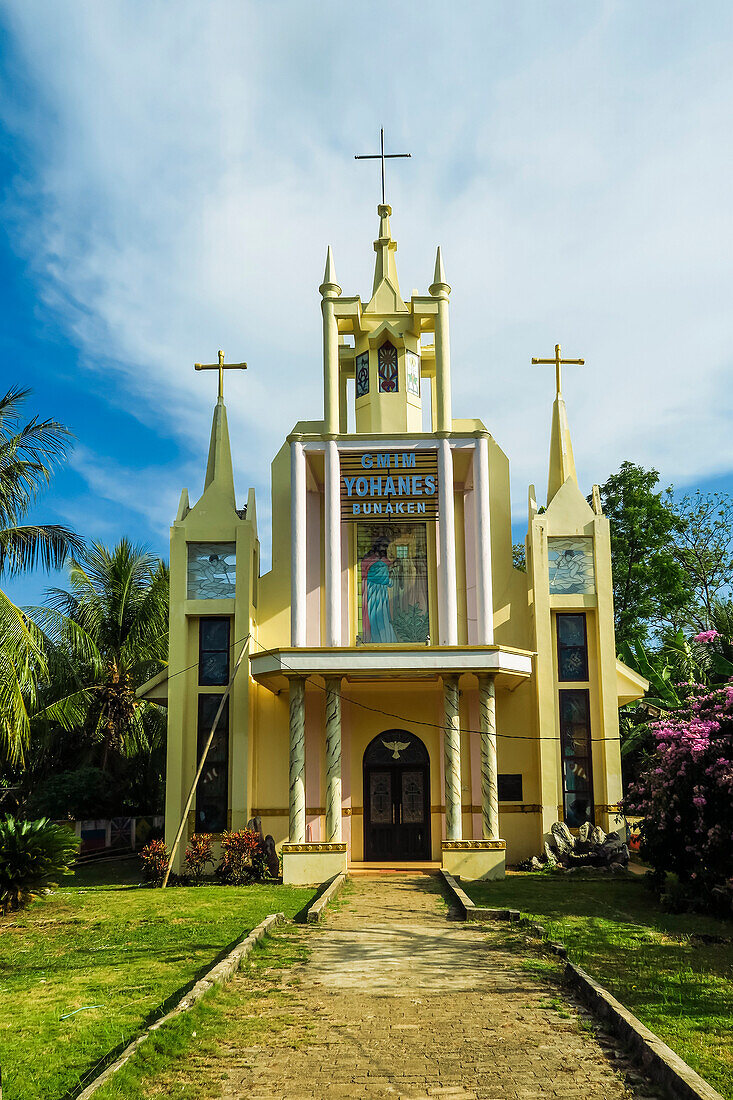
(211, 570)
(571, 566)
(412, 364)
(392, 583)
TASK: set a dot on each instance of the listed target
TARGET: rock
(255, 824)
(273, 863)
(563, 839)
(597, 835)
(584, 832)
(550, 855)
(534, 864)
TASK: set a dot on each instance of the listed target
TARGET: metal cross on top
(382, 156)
(558, 364)
(221, 366)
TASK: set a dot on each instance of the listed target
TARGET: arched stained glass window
(387, 360)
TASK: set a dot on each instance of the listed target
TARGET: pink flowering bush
(685, 795)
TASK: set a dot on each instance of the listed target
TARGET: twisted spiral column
(333, 760)
(452, 749)
(296, 800)
(489, 777)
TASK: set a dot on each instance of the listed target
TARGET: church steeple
(562, 463)
(386, 297)
(219, 480)
(219, 472)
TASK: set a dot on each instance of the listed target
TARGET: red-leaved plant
(198, 855)
(243, 857)
(154, 858)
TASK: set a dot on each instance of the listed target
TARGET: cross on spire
(221, 366)
(382, 156)
(558, 364)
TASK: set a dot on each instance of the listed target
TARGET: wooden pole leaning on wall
(202, 761)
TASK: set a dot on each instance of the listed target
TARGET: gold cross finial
(221, 366)
(558, 364)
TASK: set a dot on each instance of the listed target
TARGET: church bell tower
(397, 348)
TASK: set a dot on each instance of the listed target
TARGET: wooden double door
(396, 798)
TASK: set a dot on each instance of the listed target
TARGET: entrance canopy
(391, 662)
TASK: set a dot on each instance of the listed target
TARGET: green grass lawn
(650, 960)
(102, 940)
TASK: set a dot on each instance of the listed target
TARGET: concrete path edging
(470, 909)
(318, 908)
(658, 1060)
(218, 974)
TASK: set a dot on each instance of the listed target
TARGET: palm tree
(105, 636)
(29, 454)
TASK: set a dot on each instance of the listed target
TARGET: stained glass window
(211, 570)
(387, 361)
(362, 374)
(571, 565)
(572, 647)
(212, 793)
(412, 365)
(392, 583)
(576, 756)
(213, 651)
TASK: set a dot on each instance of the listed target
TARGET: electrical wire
(422, 722)
(390, 714)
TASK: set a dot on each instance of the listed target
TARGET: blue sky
(173, 173)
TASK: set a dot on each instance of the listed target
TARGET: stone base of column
(311, 864)
(475, 859)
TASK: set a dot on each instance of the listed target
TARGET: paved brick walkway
(397, 1001)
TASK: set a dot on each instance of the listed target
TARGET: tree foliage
(650, 584)
(106, 636)
(29, 454)
(704, 549)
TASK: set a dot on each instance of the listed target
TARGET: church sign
(389, 484)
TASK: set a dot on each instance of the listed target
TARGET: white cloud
(188, 166)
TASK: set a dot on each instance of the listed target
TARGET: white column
(489, 776)
(448, 610)
(333, 760)
(297, 544)
(333, 543)
(452, 751)
(296, 802)
(484, 589)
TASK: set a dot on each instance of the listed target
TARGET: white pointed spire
(439, 285)
(329, 288)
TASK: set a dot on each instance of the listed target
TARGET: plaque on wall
(211, 570)
(571, 566)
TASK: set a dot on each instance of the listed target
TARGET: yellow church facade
(401, 693)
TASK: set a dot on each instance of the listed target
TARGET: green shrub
(34, 855)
